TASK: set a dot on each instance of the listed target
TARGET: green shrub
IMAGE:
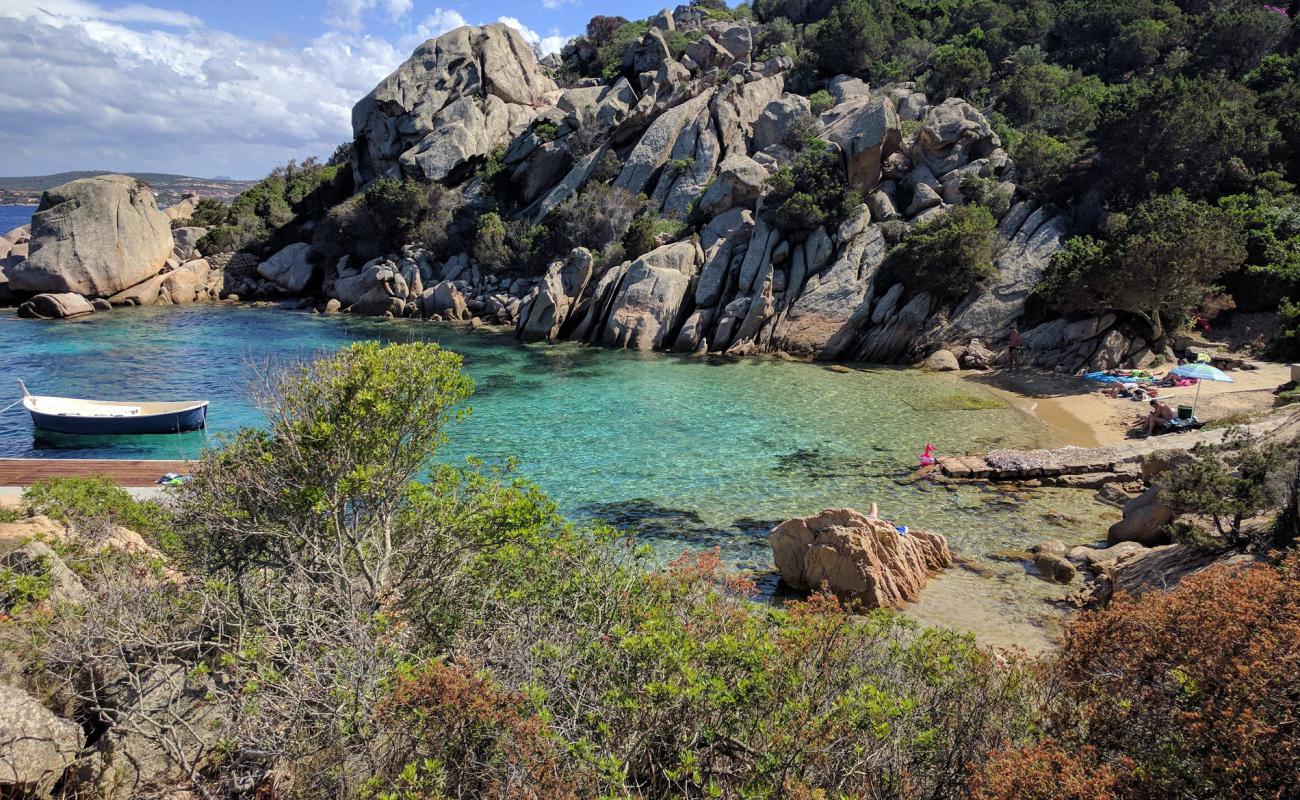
(18, 590)
(1286, 343)
(93, 503)
(820, 101)
(948, 255)
(640, 236)
(490, 246)
(812, 190)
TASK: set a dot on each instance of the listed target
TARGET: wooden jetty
(127, 474)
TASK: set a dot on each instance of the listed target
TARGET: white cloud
(84, 90)
(148, 89)
(544, 45)
(348, 14)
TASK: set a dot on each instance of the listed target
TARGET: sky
(222, 87)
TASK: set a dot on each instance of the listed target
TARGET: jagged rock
(1145, 518)
(656, 144)
(35, 745)
(445, 300)
(778, 118)
(650, 295)
(737, 105)
(845, 88)
(184, 209)
(94, 236)
(1054, 567)
(1096, 559)
(664, 21)
(644, 55)
(697, 147)
(290, 269)
(184, 241)
(739, 182)
(736, 37)
(721, 240)
(978, 356)
(185, 284)
(1161, 568)
(560, 288)
(953, 134)
(162, 714)
(859, 559)
(989, 313)
(404, 114)
(923, 199)
(912, 106)
(20, 235)
(55, 306)
(824, 319)
(881, 205)
(942, 361)
(866, 130)
(1110, 351)
(707, 54)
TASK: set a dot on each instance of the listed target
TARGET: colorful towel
(1103, 377)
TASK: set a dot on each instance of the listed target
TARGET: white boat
(109, 417)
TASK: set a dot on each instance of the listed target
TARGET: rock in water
(55, 306)
(857, 558)
(95, 237)
(412, 121)
(35, 745)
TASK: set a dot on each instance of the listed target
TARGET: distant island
(169, 189)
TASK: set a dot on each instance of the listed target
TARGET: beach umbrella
(1201, 372)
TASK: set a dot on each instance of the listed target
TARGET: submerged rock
(56, 306)
(859, 559)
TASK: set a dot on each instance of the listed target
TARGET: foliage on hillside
(359, 624)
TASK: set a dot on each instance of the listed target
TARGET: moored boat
(109, 417)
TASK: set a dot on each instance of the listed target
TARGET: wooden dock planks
(130, 474)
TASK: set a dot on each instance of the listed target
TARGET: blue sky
(231, 87)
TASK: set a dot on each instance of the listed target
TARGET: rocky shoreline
(701, 137)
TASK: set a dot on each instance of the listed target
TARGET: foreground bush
(1187, 693)
(356, 621)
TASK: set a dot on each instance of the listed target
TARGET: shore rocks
(1145, 518)
(35, 745)
(55, 306)
(95, 237)
(291, 268)
(859, 559)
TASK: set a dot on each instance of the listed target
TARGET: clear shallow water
(13, 216)
(690, 452)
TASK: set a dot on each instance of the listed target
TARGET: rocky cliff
(701, 137)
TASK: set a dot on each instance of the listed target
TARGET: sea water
(688, 452)
(14, 216)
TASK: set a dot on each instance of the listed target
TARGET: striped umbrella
(1201, 372)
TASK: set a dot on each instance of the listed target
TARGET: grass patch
(11, 514)
(18, 590)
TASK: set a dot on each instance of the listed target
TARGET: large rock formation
(456, 98)
(35, 745)
(95, 237)
(859, 559)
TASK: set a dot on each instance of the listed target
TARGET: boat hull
(189, 419)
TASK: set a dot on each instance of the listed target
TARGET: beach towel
(1103, 377)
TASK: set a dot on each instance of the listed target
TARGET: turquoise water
(689, 452)
(13, 216)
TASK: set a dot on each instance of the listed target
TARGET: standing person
(1013, 347)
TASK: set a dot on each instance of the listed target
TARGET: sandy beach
(1076, 411)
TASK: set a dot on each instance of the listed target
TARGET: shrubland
(346, 617)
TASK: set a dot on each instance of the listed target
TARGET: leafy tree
(490, 246)
(640, 236)
(1232, 482)
(1043, 163)
(853, 37)
(1199, 135)
(810, 191)
(1156, 264)
(948, 255)
(957, 70)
